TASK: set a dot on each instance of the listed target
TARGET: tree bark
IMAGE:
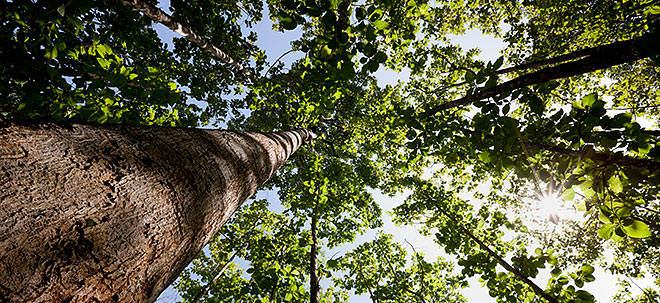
(115, 213)
(158, 15)
(594, 59)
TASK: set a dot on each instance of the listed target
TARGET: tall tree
(114, 212)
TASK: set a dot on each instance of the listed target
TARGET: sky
(277, 43)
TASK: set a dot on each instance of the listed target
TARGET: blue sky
(275, 44)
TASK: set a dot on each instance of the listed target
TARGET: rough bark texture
(158, 15)
(115, 213)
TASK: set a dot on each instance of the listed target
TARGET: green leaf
(585, 296)
(369, 50)
(105, 64)
(380, 57)
(603, 217)
(484, 157)
(469, 76)
(587, 270)
(329, 19)
(620, 120)
(380, 24)
(589, 100)
(102, 50)
(360, 13)
(547, 87)
(288, 22)
(536, 105)
(288, 297)
(332, 263)
(653, 10)
(568, 194)
(498, 63)
(637, 229)
(606, 231)
(615, 184)
(556, 272)
(52, 53)
(347, 71)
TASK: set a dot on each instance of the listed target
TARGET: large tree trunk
(115, 213)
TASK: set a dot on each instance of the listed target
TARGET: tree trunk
(115, 213)
(158, 15)
(217, 276)
(314, 287)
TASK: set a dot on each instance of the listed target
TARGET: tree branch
(606, 158)
(499, 259)
(601, 57)
(278, 60)
(314, 287)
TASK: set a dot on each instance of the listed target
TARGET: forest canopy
(566, 120)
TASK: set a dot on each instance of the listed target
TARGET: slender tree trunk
(374, 299)
(593, 59)
(217, 276)
(158, 15)
(314, 288)
(115, 213)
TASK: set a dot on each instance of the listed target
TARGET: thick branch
(374, 299)
(553, 60)
(607, 158)
(601, 57)
(342, 16)
(400, 279)
(158, 15)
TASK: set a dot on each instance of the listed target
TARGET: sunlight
(548, 206)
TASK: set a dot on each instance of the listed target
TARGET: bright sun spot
(549, 203)
(548, 206)
(551, 207)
